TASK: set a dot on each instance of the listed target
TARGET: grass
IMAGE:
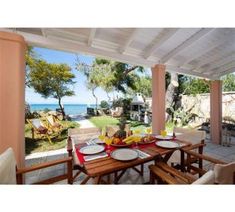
(42, 144)
(102, 121)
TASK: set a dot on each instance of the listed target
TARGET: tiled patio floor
(130, 177)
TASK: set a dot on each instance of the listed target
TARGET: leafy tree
(112, 75)
(143, 85)
(229, 82)
(52, 80)
(104, 104)
(195, 86)
(30, 57)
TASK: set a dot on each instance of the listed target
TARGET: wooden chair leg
(200, 163)
(32, 130)
(152, 179)
(70, 172)
(49, 139)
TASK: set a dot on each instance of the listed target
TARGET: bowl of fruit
(147, 139)
(118, 142)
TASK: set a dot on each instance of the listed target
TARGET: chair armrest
(43, 165)
(204, 157)
(195, 146)
(163, 175)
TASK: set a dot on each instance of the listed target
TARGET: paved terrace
(224, 153)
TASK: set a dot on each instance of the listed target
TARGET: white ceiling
(202, 52)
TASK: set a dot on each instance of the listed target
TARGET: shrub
(104, 104)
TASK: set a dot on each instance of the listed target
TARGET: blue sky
(82, 95)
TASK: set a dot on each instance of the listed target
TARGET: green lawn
(102, 121)
(41, 145)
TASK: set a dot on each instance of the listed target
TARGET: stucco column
(158, 98)
(12, 94)
(216, 111)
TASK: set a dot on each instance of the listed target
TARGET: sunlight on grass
(102, 121)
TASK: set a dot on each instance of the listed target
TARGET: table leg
(96, 180)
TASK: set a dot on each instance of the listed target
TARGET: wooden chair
(11, 174)
(222, 173)
(39, 128)
(76, 136)
(196, 138)
(53, 124)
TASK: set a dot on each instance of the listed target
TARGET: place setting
(121, 149)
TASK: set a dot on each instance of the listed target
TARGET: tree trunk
(170, 92)
(96, 100)
(109, 98)
(62, 109)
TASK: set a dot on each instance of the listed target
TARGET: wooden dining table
(98, 168)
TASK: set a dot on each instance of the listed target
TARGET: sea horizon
(70, 108)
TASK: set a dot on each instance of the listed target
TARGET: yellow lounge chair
(39, 128)
(53, 124)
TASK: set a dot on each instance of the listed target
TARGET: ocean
(70, 109)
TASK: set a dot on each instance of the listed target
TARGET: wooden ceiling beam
(131, 37)
(151, 48)
(198, 35)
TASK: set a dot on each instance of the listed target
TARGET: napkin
(142, 154)
(96, 156)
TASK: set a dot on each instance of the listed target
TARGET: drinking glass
(148, 131)
(163, 133)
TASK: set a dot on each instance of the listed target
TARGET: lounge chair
(11, 174)
(39, 128)
(54, 124)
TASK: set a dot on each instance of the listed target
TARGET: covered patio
(202, 52)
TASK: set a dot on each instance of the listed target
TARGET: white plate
(124, 154)
(167, 137)
(167, 144)
(91, 149)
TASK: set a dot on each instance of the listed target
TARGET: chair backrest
(225, 173)
(51, 120)
(7, 167)
(181, 130)
(83, 134)
(207, 178)
(37, 123)
(191, 136)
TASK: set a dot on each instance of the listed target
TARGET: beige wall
(12, 76)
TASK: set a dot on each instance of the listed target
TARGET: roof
(202, 52)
